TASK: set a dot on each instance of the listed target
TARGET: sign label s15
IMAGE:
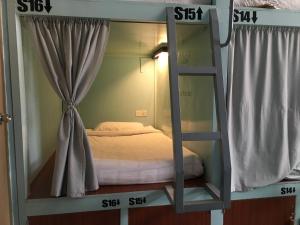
(137, 201)
(188, 13)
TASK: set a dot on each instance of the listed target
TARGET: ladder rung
(170, 193)
(196, 70)
(203, 136)
(205, 205)
(213, 191)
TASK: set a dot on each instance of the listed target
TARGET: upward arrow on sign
(199, 12)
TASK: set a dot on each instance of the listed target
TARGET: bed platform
(128, 157)
(41, 185)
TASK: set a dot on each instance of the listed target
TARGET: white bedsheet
(135, 157)
(279, 4)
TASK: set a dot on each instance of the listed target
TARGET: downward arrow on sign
(48, 6)
(254, 17)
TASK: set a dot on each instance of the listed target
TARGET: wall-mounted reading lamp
(161, 48)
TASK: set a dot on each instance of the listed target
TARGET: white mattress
(135, 157)
(279, 4)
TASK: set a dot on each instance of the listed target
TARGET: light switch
(141, 113)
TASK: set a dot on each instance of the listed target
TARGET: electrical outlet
(141, 113)
(185, 93)
(184, 57)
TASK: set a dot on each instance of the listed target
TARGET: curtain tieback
(71, 105)
(71, 108)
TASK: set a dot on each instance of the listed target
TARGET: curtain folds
(71, 51)
(263, 105)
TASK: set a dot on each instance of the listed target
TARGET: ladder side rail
(175, 111)
(220, 108)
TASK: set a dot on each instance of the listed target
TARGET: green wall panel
(124, 84)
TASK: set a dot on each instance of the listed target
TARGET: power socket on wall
(185, 93)
(141, 113)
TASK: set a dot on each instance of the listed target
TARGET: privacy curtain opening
(263, 105)
(71, 51)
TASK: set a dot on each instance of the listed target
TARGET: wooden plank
(4, 190)
(111, 217)
(275, 211)
(165, 215)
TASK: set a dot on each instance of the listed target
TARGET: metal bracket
(230, 25)
(5, 118)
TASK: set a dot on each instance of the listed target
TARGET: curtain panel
(263, 105)
(71, 51)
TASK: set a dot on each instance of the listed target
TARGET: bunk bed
(122, 152)
(39, 206)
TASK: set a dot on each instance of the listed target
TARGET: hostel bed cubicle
(33, 167)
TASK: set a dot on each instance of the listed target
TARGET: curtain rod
(230, 25)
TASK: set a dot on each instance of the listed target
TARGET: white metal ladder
(220, 198)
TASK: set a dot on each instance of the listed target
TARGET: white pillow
(254, 3)
(119, 126)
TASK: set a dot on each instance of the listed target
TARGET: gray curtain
(71, 50)
(263, 105)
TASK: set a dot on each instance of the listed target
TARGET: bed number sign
(137, 201)
(245, 16)
(111, 203)
(34, 5)
(188, 13)
(287, 190)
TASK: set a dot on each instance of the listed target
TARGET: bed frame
(24, 205)
(40, 186)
